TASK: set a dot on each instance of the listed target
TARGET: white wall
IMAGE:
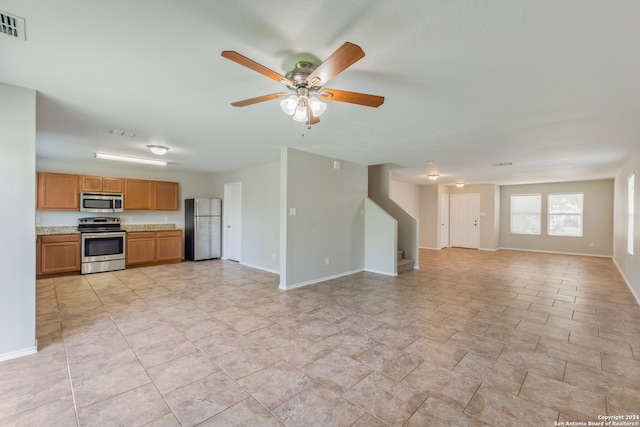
(329, 220)
(597, 219)
(405, 194)
(429, 216)
(260, 218)
(17, 253)
(629, 265)
(380, 240)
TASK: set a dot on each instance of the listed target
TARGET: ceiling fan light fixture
(433, 176)
(459, 184)
(300, 114)
(289, 105)
(159, 150)
(317, 107)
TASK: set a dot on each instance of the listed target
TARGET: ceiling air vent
(12, 26)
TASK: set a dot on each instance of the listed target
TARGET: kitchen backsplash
(64, 229)
(70, 218)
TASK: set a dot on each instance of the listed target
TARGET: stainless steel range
(103, 244)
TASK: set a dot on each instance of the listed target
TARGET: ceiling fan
(305, 83)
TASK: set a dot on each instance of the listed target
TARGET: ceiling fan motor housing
(300, 73)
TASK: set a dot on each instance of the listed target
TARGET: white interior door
(232, 210)
(464, 228)
(444, 221)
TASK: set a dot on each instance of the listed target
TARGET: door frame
(231, 190)
(443, 231)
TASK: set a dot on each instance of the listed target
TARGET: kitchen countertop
(148, 227)
(45, 231)
(72, 229)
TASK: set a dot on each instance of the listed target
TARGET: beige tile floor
(473, 338)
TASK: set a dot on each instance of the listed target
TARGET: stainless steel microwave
(101, 202)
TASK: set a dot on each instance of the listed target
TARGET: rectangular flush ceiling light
(130, 159)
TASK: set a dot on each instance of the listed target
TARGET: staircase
(403, 263)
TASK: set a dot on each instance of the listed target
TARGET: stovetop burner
(98, 224)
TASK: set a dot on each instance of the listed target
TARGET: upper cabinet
(165, 196)
(150, 195)
(138, 194)
(58, 191)
(100, 184)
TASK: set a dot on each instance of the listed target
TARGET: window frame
(551, 213)
(539, 213)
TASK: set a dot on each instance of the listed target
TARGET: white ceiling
(551, 86)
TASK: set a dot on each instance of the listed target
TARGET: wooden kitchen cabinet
(59, 253)
(154, 247)
(138, 194)
(165, 196)
(60, 191)
(141, 247)
(57, 191)
(142, 194)
(100, 184)
(169, 246)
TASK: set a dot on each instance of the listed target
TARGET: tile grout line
(66, 359)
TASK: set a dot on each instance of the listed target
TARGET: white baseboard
(384, 273)
(554, 252)
(635, 295)
(18, 353)
(322, 279)
(259, 268)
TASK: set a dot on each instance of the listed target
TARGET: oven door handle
(107, 234)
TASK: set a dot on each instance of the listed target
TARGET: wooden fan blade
(340, 60)
(312, 120)
(351, 97)
(258, 99)
(251, 64)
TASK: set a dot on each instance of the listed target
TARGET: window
(630, 212)
(526, 213)
(565, 214)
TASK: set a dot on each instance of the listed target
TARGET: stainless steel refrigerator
(203, 228)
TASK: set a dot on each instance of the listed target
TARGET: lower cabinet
(58, 253)
(154, 247)
(61, 253)
(169, 246)
(141, 247)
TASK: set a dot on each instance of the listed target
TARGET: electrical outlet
(592, 245)
(166, 219)
(37, 220)
(130, 219)
(326, 261)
